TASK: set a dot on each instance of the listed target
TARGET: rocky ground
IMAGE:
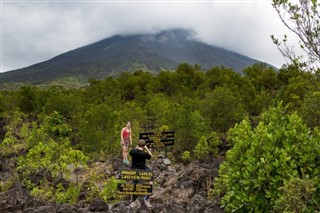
(178, 188)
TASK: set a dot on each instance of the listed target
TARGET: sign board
(134, 189)
(142, 175)
(158, 139)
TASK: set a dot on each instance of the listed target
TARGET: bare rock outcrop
(177, 188)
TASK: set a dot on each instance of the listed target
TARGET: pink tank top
(126, 134)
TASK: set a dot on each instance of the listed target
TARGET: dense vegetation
(267, 119)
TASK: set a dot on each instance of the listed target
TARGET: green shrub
(186, 157)
(257, 170)
(66, 195)
(202, 149)
(110, 189)
(298, 195)
(49, 155)
(7, 184)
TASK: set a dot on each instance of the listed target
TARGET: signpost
(134, 189)
(138, 178)
(162, 139)
(138, 185)
(142, 175)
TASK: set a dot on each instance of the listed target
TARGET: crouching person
(139, 156)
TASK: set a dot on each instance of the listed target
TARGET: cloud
(36, 31)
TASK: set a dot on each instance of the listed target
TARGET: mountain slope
(127, 53)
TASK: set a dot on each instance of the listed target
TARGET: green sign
(136, 175)
(158, 139)
(134, 189)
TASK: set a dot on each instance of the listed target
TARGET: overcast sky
(35, 31)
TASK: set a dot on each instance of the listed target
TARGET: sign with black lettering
(142, 175)
(134, 189)
(158, 139)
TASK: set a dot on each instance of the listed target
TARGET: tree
(66, 102)
(293, 93)
(98, 91)
(264, 160)
(303, 19)
(157, 107)
(311, 109)
(220, 76)
(133, 86)
(2, 103)
(77, 158)
(98, 129)
(202, 148)
(166, 82)
(186, 120)
(262, 76)
(222, 109)
(190, 77)
(28, 99)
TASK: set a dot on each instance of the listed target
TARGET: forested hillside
(263, 125)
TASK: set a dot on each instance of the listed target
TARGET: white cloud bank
(34, 31)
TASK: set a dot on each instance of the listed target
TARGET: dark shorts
(125, 143)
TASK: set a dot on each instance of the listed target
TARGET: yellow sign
(158, 139)
(136, 175)
(134, 189)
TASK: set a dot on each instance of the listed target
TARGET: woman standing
(126, 141)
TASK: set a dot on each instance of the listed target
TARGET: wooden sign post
(138, 178)
(142, 175)
(138, 186)
(134, 189)
(155, 140)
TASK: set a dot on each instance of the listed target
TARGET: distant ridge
(116, 54)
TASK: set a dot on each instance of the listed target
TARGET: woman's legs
(125, 153)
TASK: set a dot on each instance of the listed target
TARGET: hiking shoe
(148, 204)
(127, 162)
